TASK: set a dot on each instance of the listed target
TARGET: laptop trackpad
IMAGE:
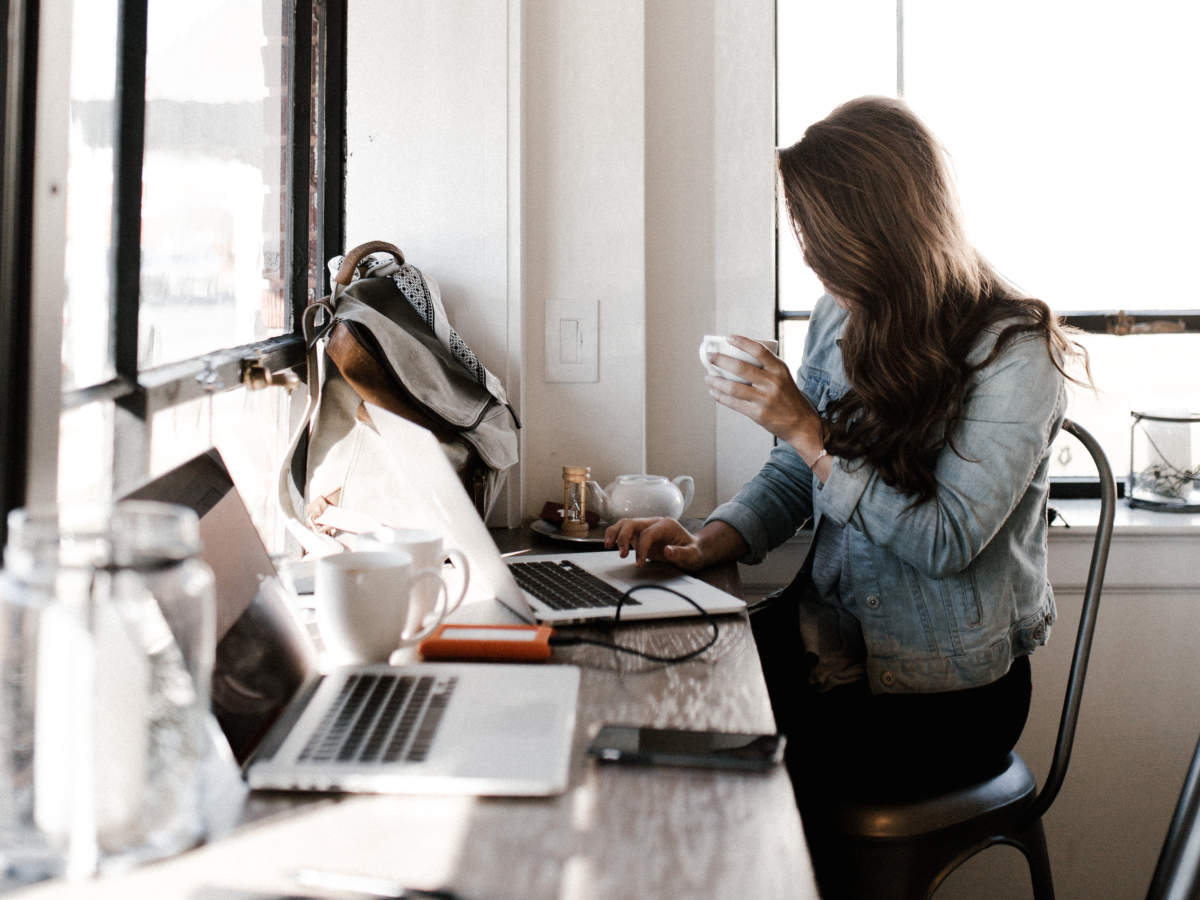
(626, 574)
(528, 719)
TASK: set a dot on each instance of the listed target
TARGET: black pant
(848, 741)
(851, 741)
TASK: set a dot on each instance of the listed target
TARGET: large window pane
(216, 213)
(1133, 374)
(1076, 169)
(249, 428)
(85, 454)
(791, 342)
(1075, 131)
(86, 351)
(826, 54)
(213, 205)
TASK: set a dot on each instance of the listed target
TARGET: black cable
(557, 640)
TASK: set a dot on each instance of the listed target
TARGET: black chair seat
(904, 850)
(1005, 796)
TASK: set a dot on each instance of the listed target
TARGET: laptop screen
(263, 656)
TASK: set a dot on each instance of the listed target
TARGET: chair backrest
(1087, 622)
(1177, 875)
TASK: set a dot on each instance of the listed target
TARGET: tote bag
(382, 336)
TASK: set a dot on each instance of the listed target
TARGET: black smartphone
(684, 747)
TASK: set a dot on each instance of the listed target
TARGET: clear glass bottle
(107, 648)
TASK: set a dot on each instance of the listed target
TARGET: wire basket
(1164, 461)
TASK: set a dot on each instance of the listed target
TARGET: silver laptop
(426, 487)
(427, 728)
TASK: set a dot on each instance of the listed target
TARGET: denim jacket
(951, 590)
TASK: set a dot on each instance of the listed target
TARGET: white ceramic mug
(364, 602)
(428, 553)
(717, 343)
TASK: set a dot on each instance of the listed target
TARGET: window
(1073, 132)
(16, 202)
(202, 192)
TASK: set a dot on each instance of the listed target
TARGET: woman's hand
(666, 540)
(772, 399)
(656, 539)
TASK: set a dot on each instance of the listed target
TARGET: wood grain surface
(617, 832)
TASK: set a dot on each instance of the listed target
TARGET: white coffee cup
(428, 553)
(364, 602)
(717, 343)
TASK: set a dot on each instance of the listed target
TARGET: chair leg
(849, 869)
(1032, 843)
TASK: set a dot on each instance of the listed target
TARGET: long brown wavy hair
(872, 203)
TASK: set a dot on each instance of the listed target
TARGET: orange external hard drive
(501, 643)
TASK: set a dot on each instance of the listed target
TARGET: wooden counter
(618, 831)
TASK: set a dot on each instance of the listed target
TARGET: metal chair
(906, 849)
(1177, 875)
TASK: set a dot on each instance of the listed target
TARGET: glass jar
(107, 649)
(1164, 461)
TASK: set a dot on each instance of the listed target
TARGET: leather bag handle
(346, 271)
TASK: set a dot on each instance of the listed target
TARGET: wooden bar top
(617, 832)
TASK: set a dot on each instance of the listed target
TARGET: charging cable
(563, 640)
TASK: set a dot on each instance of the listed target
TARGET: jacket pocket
(967, 601)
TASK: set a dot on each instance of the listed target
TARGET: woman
(917, 437)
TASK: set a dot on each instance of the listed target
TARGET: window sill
(1127, 520)
(1150, 552)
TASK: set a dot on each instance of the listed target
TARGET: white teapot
(641, 495)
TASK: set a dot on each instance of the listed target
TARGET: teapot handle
(688, 487)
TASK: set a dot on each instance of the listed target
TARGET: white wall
(584, 232)
(710, 268)
(428, 161)
(527, 152)
(744, 251)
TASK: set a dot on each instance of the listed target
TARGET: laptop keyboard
(381, 717)
(564, 585)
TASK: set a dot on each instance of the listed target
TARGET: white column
(583, 233)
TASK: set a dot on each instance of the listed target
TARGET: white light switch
(572, 340)
(569, 336)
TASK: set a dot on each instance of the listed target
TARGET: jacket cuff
(748, 524)
(839, 496)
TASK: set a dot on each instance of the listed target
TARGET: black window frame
(18, 69)
(315, 62)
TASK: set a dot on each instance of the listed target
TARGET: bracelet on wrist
(818, 458)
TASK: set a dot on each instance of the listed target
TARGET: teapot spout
(597, 499)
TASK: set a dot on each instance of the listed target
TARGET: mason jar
(1164, 461)
(107, 648)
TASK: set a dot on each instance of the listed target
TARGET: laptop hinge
(279, 731)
